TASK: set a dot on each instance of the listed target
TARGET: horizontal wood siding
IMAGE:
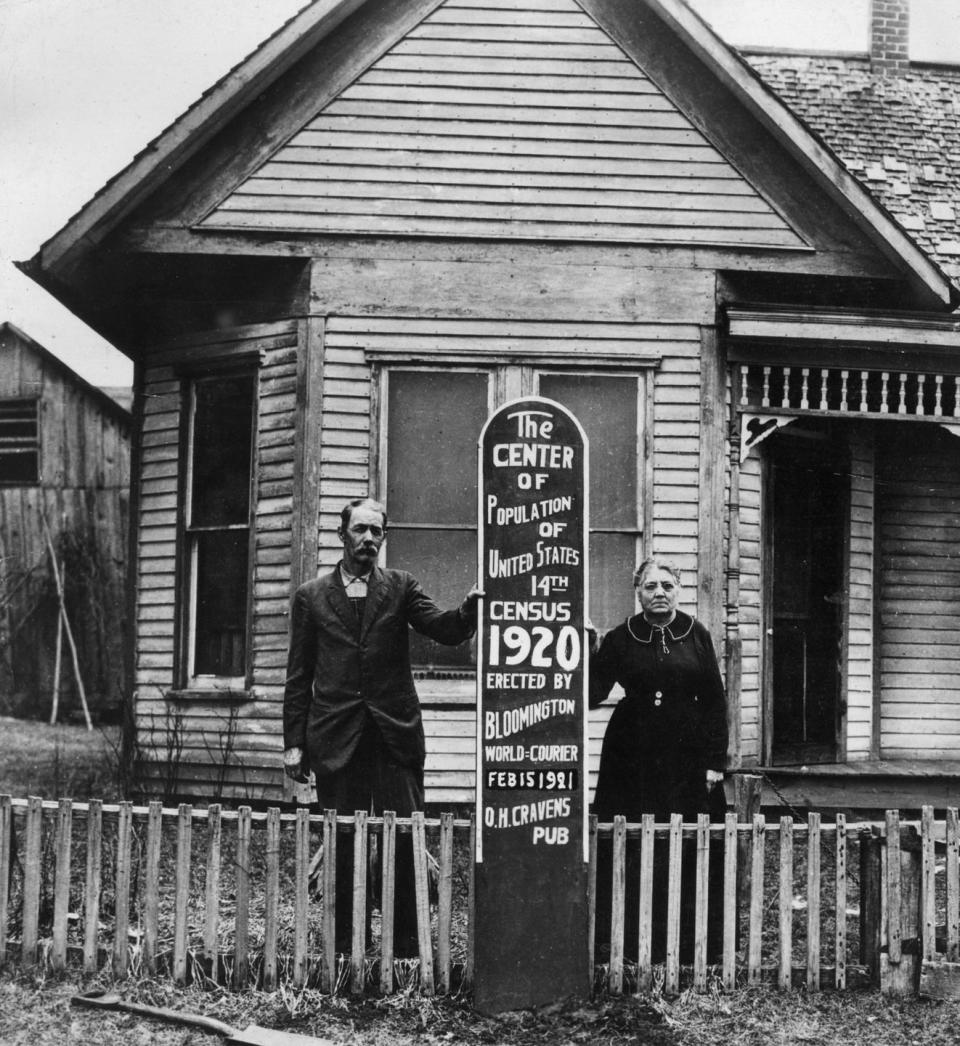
(519, 120)
(860, 597)
(197, 746)
(919, 594)
(751, 588)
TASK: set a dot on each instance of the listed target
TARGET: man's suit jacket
(338, 674)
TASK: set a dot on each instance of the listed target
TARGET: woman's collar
(642, 631)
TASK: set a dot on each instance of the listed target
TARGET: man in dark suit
(350, 709)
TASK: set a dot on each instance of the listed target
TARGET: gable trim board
(53, 264)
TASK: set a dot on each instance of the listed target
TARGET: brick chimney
(890, 35)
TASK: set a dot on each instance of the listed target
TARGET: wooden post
(91, 897)
(6, 860)
(928, 892)
(953, 885)
(754, 954)
(182, 886)
(388, 893)
(617, 905)
(32, 877)
(359, 942)
(645, 886)
(591, 892)
(901, 908)
(813, 902)
(329, 901)
(702, 903)
(730, 910)
(301, 899)
(121, 925)
(423, 902)
(472, 905)
(671, 980)
(870, 903)
(61, 895)
(785, 977)
(445, 902)
(271, 900)
(241, 971)
(840, 940)
(151, 901)
(211, 892)
(892, 898)
(747, 792)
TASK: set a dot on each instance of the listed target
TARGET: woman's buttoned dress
(667, 730)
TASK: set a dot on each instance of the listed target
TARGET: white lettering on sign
(513, 720)
(508, 610)
(511, 515)
(532, 456)
(526, 813)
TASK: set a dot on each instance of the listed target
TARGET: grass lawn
(58, 761)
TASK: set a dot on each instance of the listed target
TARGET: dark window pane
(606, 407)
(221, 597)
(613, 559)
(222, 430)
(434, 421)
(445, 564)
(19, 468)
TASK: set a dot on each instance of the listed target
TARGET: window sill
(210, 693)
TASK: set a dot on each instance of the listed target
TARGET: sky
(85, 84)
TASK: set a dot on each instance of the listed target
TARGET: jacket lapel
(337, 598)
(377, 589)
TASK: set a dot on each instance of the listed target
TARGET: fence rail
(236, 897)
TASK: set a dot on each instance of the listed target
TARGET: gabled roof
(104, 400)
(897, 131)
(255, 74)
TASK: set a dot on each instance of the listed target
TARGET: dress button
(658, 698)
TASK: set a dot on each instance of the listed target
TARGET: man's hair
(356, 503)
(656, 561)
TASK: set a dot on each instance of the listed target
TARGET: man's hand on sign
(592, 634)
(468, 608)
(293, 765)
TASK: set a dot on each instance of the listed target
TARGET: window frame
(188, 682)
(16, 445)
(510, 377)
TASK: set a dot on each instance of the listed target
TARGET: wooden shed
(64, 485)
(397, 215)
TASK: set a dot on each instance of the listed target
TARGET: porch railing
(236, 897)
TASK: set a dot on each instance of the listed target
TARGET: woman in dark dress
(665, 747)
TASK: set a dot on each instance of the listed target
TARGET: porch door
(806, 542)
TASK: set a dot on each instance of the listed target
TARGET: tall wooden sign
(531, 859)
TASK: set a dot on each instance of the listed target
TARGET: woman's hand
(714, 777)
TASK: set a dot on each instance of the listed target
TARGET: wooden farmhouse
(64, 493)
(397, 215)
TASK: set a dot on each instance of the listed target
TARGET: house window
(19, 442)
(428, 478)
(217, 528)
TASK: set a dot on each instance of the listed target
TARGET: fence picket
(754, 948)
(121, 891)
(6, 845)
(671, 979)
(702, 903)
(388, 887)
(423, 902)
(151, 887)
(182, 896)
(211, 891)
(445, 902)
(329, 973)
(591, 889)
(301, 898)
(359, 939)
(893, 898)
(32, 877)
(929, 885)
(472, 896)
(953, 885)
(840, 905)
(617, 902)
(241, 947)
(730, 848)
(61, 888)
(785, 975)
(271, 900)
(645, 929)
(813, 902)
(91, 895)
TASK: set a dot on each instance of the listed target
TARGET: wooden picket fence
(224, 896)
